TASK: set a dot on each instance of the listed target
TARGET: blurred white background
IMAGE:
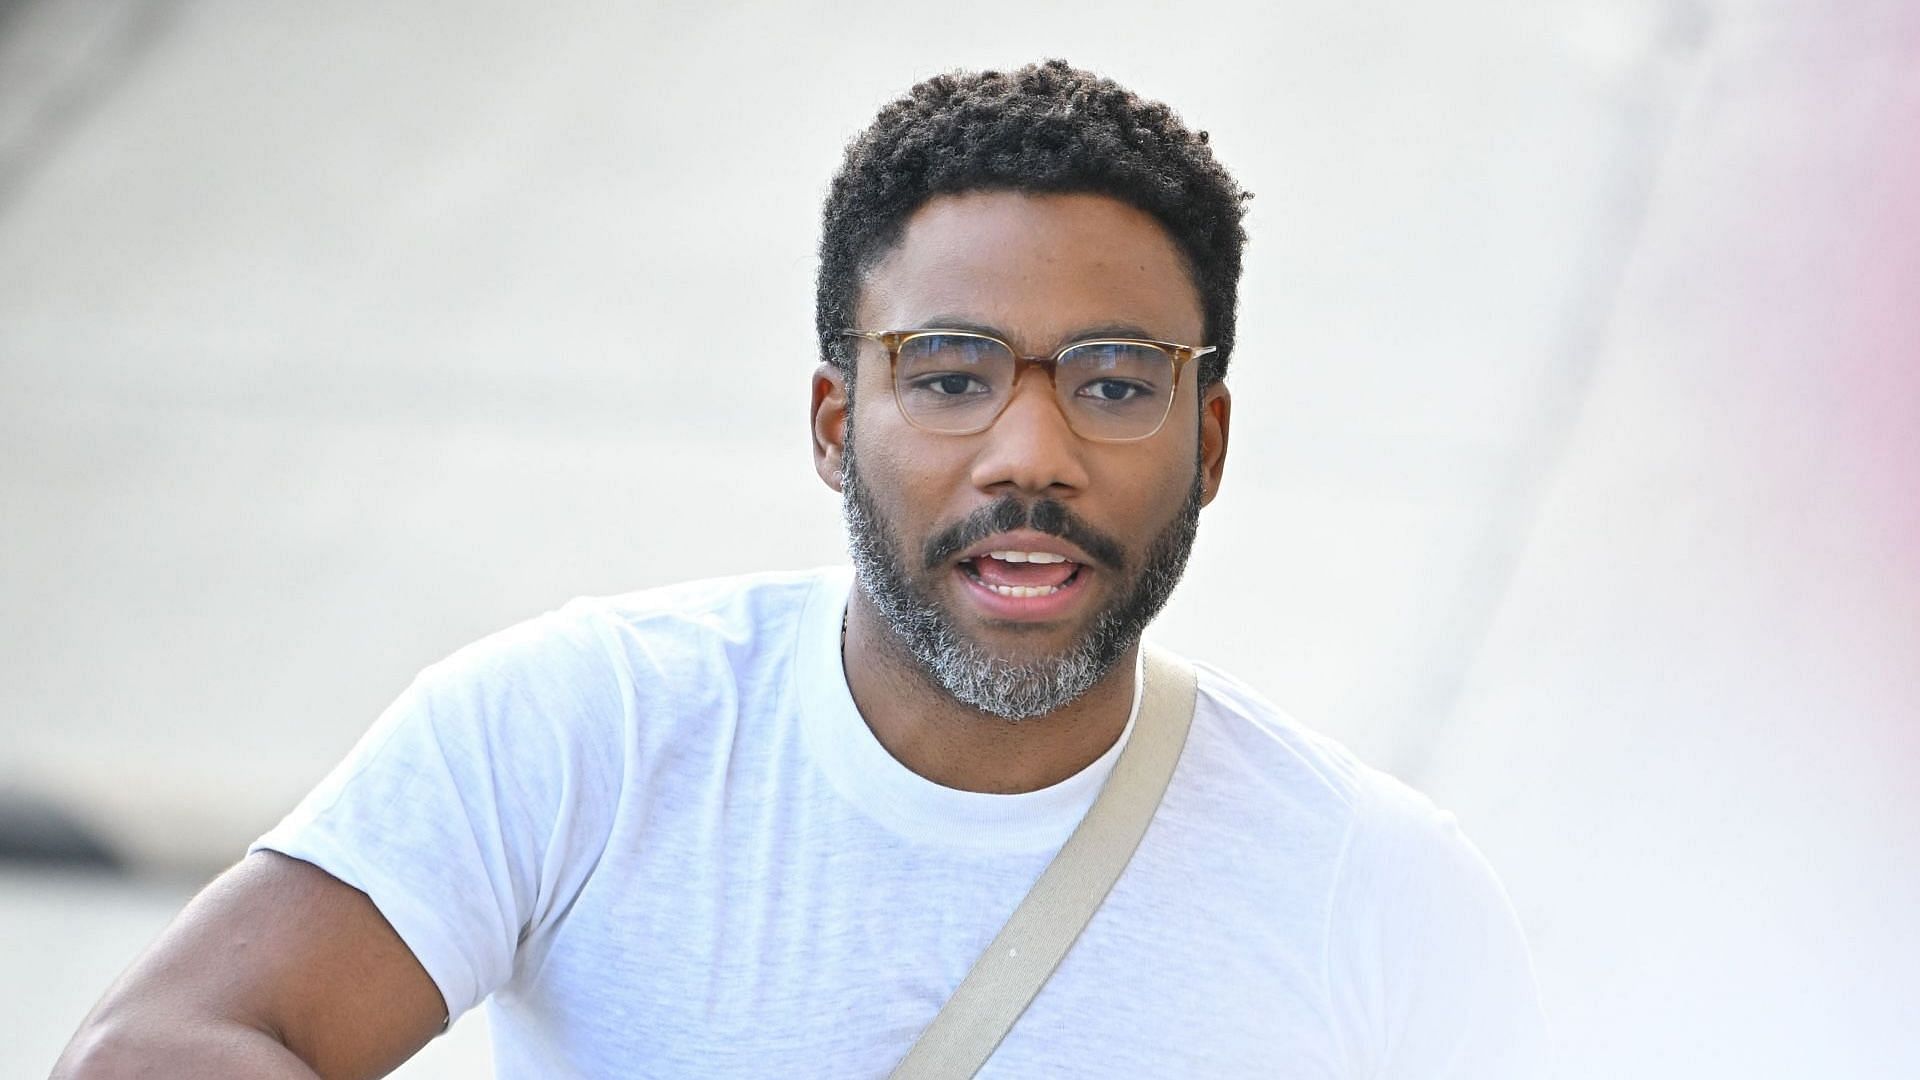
(1573, 476)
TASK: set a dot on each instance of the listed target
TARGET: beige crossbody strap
(1040, 931)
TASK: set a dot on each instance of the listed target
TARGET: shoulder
(1268, 761)
(1424, 958)
(590, 664)
(1255, 765)
(733, 608)
(746, 624)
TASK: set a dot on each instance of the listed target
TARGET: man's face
(1111, 523)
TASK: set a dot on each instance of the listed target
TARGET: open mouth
(1022, 575)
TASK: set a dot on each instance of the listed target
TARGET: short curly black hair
(1047, 127)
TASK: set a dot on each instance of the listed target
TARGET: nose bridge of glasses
(1054, 414)
(1048, 390)
(1047, 363)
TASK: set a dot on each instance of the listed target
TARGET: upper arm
(278, 946)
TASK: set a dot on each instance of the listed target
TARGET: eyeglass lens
(1107, 390)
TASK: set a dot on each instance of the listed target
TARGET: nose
(1029, 449)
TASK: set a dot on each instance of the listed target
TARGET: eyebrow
(1085, 333)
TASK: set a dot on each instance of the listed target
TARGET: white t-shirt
(655, 832)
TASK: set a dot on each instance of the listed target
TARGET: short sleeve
(1427, 964)
(476, 804)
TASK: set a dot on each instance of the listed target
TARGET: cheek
(909, 473)
(1157, 479)
(1164, 496)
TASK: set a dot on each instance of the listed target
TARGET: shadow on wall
(35, 831)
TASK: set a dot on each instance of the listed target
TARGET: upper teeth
(1026, 556)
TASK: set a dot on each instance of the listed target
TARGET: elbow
(112, 1046)
(105, 1050)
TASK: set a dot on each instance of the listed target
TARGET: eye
(1115, 390)
(949, 384)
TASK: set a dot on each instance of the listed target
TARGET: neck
(957, 746)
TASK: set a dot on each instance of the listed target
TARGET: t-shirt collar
(866, 775)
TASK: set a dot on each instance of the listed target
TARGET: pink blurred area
(1707, 667)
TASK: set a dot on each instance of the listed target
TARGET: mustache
(1048, 516)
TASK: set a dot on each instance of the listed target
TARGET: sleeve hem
(415, 923)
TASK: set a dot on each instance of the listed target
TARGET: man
(763, 827)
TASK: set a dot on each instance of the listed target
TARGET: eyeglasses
(957, 382)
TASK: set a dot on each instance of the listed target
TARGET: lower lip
(1053, 606)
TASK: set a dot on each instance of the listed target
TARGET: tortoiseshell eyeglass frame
(893, 340)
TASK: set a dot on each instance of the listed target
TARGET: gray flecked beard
(1012, 689)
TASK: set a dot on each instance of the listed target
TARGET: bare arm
(276, 970)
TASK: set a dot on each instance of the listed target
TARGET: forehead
(1037, 268)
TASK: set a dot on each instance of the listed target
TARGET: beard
(1023, 687)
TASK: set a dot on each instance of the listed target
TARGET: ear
(1216, 415)
(829, 422)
